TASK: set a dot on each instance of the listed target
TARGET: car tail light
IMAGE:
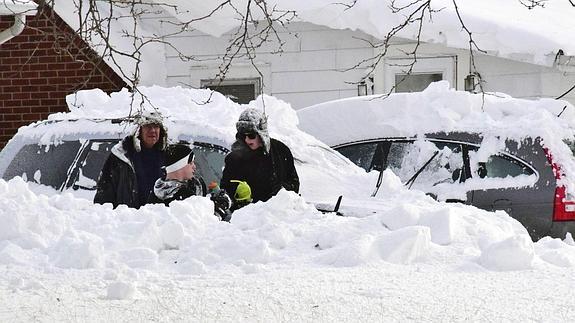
(563, 204)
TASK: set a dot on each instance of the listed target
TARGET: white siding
(312, 67)
(315, 65)
(524, 80)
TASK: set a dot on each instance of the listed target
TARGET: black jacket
(117, 183)
(265, 173)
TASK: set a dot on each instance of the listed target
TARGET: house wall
(524, 80)
(36, 74)
(314, 65)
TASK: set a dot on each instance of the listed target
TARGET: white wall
(524, 80)
(313, 66)
(311, 69)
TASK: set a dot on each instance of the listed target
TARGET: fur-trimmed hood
(146, 118)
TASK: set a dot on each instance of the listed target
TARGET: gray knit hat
(250, 121)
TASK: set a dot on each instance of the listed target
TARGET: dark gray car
(454, 149)
(519, 180)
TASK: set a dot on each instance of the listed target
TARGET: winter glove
(243, 192)
(222, 204)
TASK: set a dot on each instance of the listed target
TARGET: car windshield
(70, 164)
(44, 164)
(209, 162)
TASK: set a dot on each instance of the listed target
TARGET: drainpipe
(15, 30)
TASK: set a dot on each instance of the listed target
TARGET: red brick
(6, 124)
(48, 74)
(38, 71)
(12, 103)
(39, 81)
(45, 102)
(12, 117)
(30, 102)
(66, 73)
(20, 81)
(38, 67)
(21, 95)
(41, 109)
(31, 117)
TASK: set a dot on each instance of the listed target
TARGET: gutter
(15, 30)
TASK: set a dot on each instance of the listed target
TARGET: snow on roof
(503, 28)
(12, 7)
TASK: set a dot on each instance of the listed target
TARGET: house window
(423, 72)
(415, 82)
(238, 90)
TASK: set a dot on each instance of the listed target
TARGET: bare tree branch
(530, 4)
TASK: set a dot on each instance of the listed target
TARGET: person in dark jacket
(262, 163)
(134, 165)
(180, 181)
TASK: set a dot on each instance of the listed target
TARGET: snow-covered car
(497, 154)
(74, 158)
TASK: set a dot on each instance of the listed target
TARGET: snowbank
(273, 259)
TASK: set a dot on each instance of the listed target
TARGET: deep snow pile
(274, 260)
(64, 231)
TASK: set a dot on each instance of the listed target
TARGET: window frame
(255, 81)
(444, 65)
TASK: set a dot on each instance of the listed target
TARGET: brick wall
(42, 65)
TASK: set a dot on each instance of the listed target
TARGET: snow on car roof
(437, 109)
(440, 108)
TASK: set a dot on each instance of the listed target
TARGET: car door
(525, 190)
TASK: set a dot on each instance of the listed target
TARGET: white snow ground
(414, 259)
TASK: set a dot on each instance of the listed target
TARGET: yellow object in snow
(243, 191)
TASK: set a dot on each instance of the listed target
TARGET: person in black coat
(180, 181)
(265, 164)
(135, 163)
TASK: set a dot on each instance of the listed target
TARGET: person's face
(189, 170)
(252, 140)
(150, 134)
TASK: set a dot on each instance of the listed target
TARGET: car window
(360, 154)
(499, 166)
(92, 160)
(43, 164)
(209, 161)
(431, 162)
